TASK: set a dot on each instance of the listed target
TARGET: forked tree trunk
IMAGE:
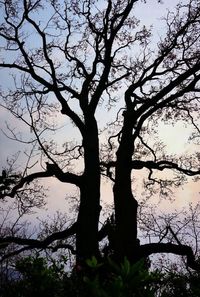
(89, 209)
(125, 203)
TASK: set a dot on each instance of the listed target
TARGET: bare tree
(76, 58)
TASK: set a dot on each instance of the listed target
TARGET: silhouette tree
(80, 58)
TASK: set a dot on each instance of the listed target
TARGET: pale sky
(176, 139)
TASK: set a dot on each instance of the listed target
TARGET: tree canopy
(77, 62)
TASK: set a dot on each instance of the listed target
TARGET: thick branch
(160, 165)
(29, 244)
(117, 22)
(182, 250)
(52, 170)
(34, 243)
(167, 89)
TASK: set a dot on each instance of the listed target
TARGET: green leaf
(93, 263)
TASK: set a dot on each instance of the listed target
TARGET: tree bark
(125, 204)
(89, 209)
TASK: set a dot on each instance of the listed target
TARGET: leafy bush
(122, 280)
(36, 279)
(98, 279)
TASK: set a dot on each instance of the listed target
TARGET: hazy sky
(150, 14)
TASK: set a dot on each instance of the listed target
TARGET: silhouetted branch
(52, 170)
(34, 243)
(182, 250)
(159, 165)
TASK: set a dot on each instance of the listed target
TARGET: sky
(176, 138)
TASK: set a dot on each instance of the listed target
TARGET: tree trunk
(89, 209)
(125, 203)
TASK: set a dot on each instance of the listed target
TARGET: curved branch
(25, 180)
(182, 250)
(161, 165)
(157, 102)
(14, 253)
(52, 170)
(45, 244)
(34, 243)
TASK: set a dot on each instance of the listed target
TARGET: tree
(75, 58)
